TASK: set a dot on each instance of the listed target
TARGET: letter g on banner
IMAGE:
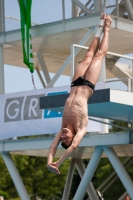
(18, 109)
(13, 109)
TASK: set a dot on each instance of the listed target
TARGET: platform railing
(118, 68)
(118, 84)
(44, 12)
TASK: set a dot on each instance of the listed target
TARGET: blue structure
(79, 28)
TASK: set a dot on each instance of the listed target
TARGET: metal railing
(118, 70)
(52, 11)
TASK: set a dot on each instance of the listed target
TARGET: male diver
(75, 115)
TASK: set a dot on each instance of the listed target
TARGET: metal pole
(63, 9)
(75, 10)
(111, 182)
(72, 62)
(81, 169)
(69, 180)
(44, 67)
(104, 6)
(111, 175)
(117, 8)
(123, 196)
(132, 85)
(40, 77)
(15, 176)
(129, 84)
(120, 170)
(82, 6)
(89, 172)
(97, 6)
(129, 8)
(2, 17)
(129, 90)
(132, 77)
(2, 82)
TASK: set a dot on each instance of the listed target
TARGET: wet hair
(65, 146)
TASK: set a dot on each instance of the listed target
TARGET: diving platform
(105, 103)
(93, 146)
(51, 50)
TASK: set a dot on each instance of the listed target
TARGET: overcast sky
(18, 79)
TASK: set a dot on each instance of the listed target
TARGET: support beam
(120, 170)
(123, 196)
(129, 85)
(69, 180)
(54, 28)
(15, 176)
(117, 8)
(40, 77)
(112, 181)
(105, 4)
(104, 122)
(132, 77)
(115, 139)
(97, 6)
(129, 9)
(80, 5)
(89, 172)
(2, 17)
(75, 10)
(63, 9)
(68, 60)
(2, 82)
(44, 67)
(90, 190)
(111, 175)
(70, 25)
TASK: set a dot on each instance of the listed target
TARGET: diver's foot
(102, 20)
(107, 23)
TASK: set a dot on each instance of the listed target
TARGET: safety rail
(44, 12)
(118, 68)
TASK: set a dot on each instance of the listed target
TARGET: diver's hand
(53, 168)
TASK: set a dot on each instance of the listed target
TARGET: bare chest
(75, 113)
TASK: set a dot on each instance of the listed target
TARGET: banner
(20, 114)
(25, 13)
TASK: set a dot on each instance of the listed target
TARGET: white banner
(20, 114)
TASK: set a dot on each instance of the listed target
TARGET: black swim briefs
(82, 81)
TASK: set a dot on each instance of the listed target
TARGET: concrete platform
(107, 103)
(54, 40)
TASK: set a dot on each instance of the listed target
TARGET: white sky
(18, 79)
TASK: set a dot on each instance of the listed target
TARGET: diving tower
(51, 48)
(107, 103)
(104, 103)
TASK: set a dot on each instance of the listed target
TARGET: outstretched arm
(53, 148)
(77, 139)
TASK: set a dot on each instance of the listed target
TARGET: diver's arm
(53, 148)
(77, 139)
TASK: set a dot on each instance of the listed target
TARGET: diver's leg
(83, 66)
(93, 71)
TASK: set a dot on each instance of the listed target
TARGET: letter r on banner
(32, 108)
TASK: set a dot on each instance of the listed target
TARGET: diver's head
(67, 136)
